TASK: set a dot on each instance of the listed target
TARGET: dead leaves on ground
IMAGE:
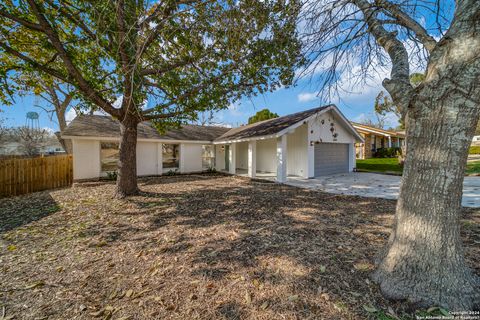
(194, 247)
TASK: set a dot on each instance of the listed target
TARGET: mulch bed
(196, 247)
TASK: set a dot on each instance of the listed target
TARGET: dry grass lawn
(197, 247)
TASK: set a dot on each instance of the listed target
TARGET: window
(171, 156)
(208, 157)
(109, 156)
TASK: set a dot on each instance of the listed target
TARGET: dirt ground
(197, 247)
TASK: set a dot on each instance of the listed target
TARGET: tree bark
(424, 260)
(62, 123)
(127, 164)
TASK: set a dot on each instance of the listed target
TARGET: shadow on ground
(203, 247)
(32, 207)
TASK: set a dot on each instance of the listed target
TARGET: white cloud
(118, 102)
(70, 115)
(100, 112)
(362, 117)
(391, 120)
(49, 130)
(234, 109)
(307, 96)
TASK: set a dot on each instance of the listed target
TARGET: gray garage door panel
(331, 158)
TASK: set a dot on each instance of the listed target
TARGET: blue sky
(355, 106)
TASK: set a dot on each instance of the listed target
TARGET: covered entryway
(331, 158)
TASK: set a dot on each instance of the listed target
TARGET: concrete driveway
(377, 186)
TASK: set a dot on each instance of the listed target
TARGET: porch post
(252, 158)
(182, 158)
(310, 153)
(159, 158)
(389, 141)
(282, 158)
(232, 157)
(351, 157)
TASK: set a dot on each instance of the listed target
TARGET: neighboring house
(12, 147)
(374, 139)
(476, 141)
(307, 144)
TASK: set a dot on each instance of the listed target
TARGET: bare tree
(377, 120)
(3, 128)
(31, 140)
(59, 97)
(355, 40)
(207, 118)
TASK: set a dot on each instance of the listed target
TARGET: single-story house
(307, 144)
(374, 139)
(476, 141)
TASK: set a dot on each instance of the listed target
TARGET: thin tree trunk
(127, 164)
(62, 123)
(424, 259)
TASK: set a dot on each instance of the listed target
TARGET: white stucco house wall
(306, 144)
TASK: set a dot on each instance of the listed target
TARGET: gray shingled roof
(268, 127)
(104, 126)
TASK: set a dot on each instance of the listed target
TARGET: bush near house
(473, 167)
(387, 152)
(474, 150)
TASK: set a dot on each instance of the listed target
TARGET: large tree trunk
(424, 259)
(127, 164)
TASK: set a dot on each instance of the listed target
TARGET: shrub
(112, 175)
(387, 152)
(211, 170)
(171, 172)
(474, 150)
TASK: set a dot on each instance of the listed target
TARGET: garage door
(331, 158)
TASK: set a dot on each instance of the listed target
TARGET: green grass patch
(474, 150)
(391, 165)
(379, 165)
(473, 167)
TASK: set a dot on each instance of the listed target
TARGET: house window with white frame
(109, 155)
(208, 157)
(171, 156)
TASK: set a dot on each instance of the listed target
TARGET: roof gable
(268, 127)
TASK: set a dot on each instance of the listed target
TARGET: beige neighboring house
(476, 141)
(375, 139)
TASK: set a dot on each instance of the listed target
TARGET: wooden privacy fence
(20, 176)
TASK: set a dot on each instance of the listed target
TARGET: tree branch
(55, 73)
(23, 22)
(399, 85)
(409, 23)
(83, 85)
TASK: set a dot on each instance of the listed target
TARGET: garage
(331, 158)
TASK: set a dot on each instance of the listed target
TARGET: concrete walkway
(377, 186)
(473, 157)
